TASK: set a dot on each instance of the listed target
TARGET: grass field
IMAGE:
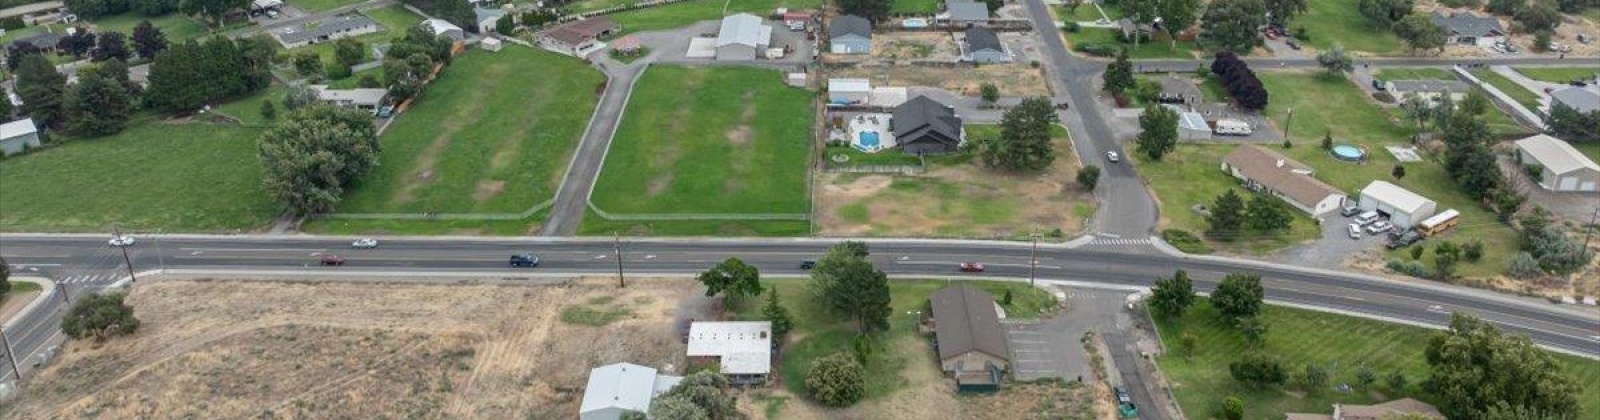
(819, 332)
(1590, 149)
(394, 18)
(1190, 176)
(176, 27)
(1522, 95)
(320, 5)
(248, 109)
(1341, 344)
(1160, 48)
(484, 137)
(1086, 13)
(1325, 105)
(740, 144)
(1557, 74)
(1338, 21)
(682, 14)
(914, 7)
(588, 5)
(1413, 73)
(179, 177)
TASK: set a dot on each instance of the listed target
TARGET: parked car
(1349, 210)
(807, 264)
(526, 259)
(1366, 218)
(1578, 83)
(1378, 227)
(1354, 230)
(1113, 157)
(333, 260)
(1292, 44)
(972, 267)
(123, 240)
(1405, 239)
(364, 243)
(1122, 395)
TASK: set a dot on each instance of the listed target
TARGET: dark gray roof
(1580, 99)
(850, 24)
(325, 27)
(966, 11)
(964, 321)
(41, 40)
(1468, 24)
(921, 116)
(979, 39)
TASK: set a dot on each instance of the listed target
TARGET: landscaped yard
(1340, 344)
(588, 5)
(740, 144)
(1086, 12)
(320, 5)
(484, 138)
(175, 26)
(1590, 149)
(190, 177)
(1191, 176)
(1159, 48)
(1335, 105)
(1558, 74)
(1339, 21)
(682, 14)
(1412, 73)
(914, 7)
(1523, 96)
(394, 18)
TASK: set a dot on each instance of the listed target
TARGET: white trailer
(1230, 127)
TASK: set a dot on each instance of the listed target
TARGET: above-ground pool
(867, 141)
(1348, 152)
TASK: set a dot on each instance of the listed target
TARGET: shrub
(1073, 27)
(1524, 267)
(99, 317)
(1097, 49)
(1473, 251)
(836, 381)
(1410, 268)
(1185, 241)
(1232, 408)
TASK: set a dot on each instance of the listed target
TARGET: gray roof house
(964, 12)
(971, 344)
(616, 389)
(983, 46)
(742, 37)
(366, 99)
(325, 30)
(1580, 99)
(1430, 91)
(18, 136)
(1469, 28)
(45, 41)
(850, 34)
(924, 126)
(441, 27)
(487, 18)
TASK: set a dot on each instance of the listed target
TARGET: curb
(47, 290)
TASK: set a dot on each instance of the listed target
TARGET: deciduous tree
(873, 10)
(42, 89)
(1505, 7)
(1267, 214)
(1119, 74)
(851, 285)
(1158, 131)
(1285, 10)
(1088, 177)
(99, 104)
(701, 395)
(1232, 24)
(312, 157)
(1258, 370)
(214, 10)
(734, 279)
(148, 40)
(1172, 295)
(989, 92)
(1238, 296)
(1419, 33)
(1473, 367)
(78, 43)
(1384, 13)
(1569, 124)
(110, 46)
(1334, 61)
(99, 316)
(1538, 17)
(350, 52)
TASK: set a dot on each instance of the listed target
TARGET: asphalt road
(572, 198)
(1569, 329)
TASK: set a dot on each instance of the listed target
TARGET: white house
(1561, 167)
(1267, 171)
(616, 389)
(1430, 91)
(441, 27)
(742, 349)
(18, 136)
(1404, 208)
(365, 99)
(843, 91)
(742, 37)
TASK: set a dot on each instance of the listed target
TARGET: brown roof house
(972, 346)
(578, 38)
(1385, 411)
(1267, 171)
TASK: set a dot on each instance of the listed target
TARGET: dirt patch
(225, 349)
(488, 189)
(1013, 79)
(658, 185)
(740, 135)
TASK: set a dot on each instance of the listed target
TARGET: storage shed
(1403, 207)
(1561, 167)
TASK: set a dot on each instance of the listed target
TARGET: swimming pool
(1349, 153)
(867, 141)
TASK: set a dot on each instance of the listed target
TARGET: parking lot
(1336, 247)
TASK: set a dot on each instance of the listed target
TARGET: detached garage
(1561, 167)
(1404, 208)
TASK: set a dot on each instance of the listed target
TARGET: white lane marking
(650, 256)
(1108, 235)
(600, 257)
(254, 249)
(1030, 341)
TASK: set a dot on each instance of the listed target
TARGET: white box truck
(1228, 127)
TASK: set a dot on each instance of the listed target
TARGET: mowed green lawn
(1522, 95)
(1159, 48)
(1339, 343)
(682, 14)
(914, 7)
(1339, 21)
(1325, 105)
(739, 144)
(1413, 73)
(1191, 176)
(1558, 74)
(320, 5)
(175, 26)
(179, 177)
(491, 135)
(394, 18)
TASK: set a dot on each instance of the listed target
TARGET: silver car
(364, 243)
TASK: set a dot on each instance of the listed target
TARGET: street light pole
(616, 247)
(11, 356)
(1033, 258)
(116, 232)
(1286, 122)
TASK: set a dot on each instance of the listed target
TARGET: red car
(972, 267)
(331, 259)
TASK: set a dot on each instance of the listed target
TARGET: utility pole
(12, 356)
(1286, 121)
(1033, 258)
(616, 246)
(116, 232)
(1590, 231)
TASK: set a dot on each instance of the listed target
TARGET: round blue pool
(1348, 152)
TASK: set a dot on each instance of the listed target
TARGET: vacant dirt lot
(965, 200)
(233, 349)
(1014, 79)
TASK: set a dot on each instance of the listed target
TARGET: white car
(122, 241)
(364, 243)
(1378, 227)
(1355, 231)
(1113, 157)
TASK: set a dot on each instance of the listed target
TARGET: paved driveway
(1333, 248)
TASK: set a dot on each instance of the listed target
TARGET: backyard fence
(616, 9)
(696, 216)
(874, 169)
(439, 216)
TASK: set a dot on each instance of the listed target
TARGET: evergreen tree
(1119, 74)
(778, 315)
(1172, 295)
(42, 90)
(1227, 216)
(98, 105)
(1158, 131)
(1024, 142)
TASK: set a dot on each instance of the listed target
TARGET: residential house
(842, 91)
(44, 41)
(1431, 92)
(1561, 167)
(798, 19)
(487, 18)
(1267, 171)
(444, 28)
(616, 389)
(261, 6)
(342, 26)
(742, 37)
(967, 335)
(1583, 100)
(1403, 207)
(1470, 29)
(1401, 408)
(1130, 29)
(365, 99)
(18, 136)
(923, 126)
(850, 34)
(742, 350)
(982, 45)
(963, 13)
(578, 38)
